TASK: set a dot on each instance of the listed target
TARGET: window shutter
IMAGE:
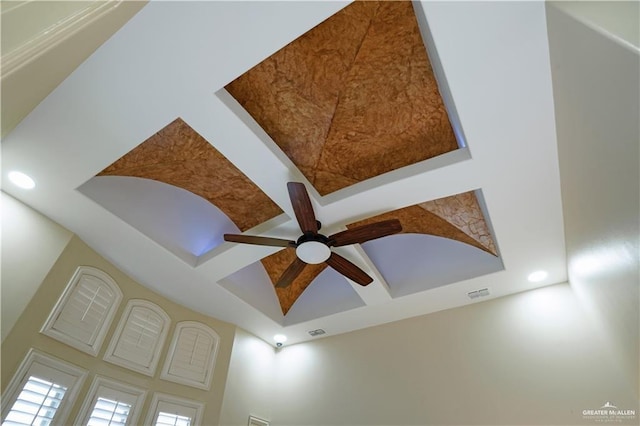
(85, 310)
(139, 337)
(37, 403)
(42, 391)
(169, 410)
(111, 403)
(192, 355)
(109, 412)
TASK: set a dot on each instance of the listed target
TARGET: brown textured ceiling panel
(463, 211)
(179, 156)
(353, 98)
(458, 217)
(276, 264)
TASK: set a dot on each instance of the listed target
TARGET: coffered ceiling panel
(353, 98)
(458, 217)
(179, 156)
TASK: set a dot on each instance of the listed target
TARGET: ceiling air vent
(317, 332)
(478, 293)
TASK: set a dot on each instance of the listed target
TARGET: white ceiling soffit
(145, 76)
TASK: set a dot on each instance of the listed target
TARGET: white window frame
(255, 421)
(104, 387)
(205, 383)
(52, 366)
(90, 347)
(147, 369)
(176, 404)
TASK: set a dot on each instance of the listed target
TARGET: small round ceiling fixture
(21, 180)
(537, 276)
(279, 339)
(313, 252)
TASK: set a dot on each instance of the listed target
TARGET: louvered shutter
(42, 391)
(111, 403)
(85, 310)
(37, 403)
(108, 412)
(170, 410)
(192, 355)
(139, 337)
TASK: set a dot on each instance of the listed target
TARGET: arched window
(84, 312)
(192, 355)
(138, 340)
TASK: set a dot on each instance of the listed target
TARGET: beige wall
(532, 358)
(25, 334)
(31, 243)
(250, 380)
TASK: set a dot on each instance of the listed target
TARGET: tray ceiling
(353, 98)
(163, 141)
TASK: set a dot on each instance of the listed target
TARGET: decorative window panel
(139, 338)
(84, 312)
(111, 403)
(168, 410)
(192, 355)
(42, 391)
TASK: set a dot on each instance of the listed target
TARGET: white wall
(31, 243)
(531, 358)
(597, 101)
(249, 388)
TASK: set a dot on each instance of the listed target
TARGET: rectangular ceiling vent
(478, 293)
(317, 332)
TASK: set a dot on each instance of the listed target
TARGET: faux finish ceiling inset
(351, 99)
(458, 217)
(179, 156)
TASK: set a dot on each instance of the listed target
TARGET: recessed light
(279, 339)
(537, 276)
(21, 180)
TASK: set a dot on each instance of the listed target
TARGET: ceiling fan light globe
(313, 252)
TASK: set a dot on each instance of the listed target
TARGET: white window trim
(255, 421)
(92, 397)
(94, 348)
(206, 383)
(12, 391)
(150, 369)
(152, 413)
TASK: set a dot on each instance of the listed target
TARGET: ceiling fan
(313, 247)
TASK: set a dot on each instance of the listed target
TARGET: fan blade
(260, 241)
(349, 270)
(291, 273)
(302, 207)
(365, 233)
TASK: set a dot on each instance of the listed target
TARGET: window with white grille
(85, 310)
(192, 355)
(111, 403)
(139, 337)
(169, 410)
(41, 391)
